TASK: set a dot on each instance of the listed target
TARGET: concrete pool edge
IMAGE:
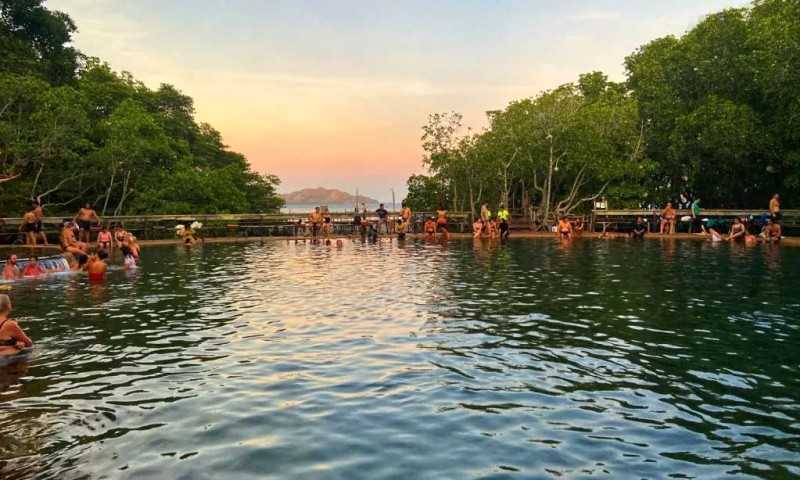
(789, 241)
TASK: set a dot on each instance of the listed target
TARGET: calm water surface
(609, 359)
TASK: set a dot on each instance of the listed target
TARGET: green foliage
(71, 134)
(423, 193)
(723, 106)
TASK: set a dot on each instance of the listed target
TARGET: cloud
(597, 15)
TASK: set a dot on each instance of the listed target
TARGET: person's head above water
(5, 305)
(126, 250)
(82, 260)
(102, 254)
(12, 259)
(33, 259)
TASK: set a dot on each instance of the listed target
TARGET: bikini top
(8, 342)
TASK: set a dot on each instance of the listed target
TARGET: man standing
(486, 215)
(28, 225)
(315, 219)
(775, 208)
(697, 222)
(37, 212)
(84, 221)
(405, 214)
(382, 214)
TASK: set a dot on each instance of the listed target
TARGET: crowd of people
(80, 251)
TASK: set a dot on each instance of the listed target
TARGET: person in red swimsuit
(32, 268)
(97, 268)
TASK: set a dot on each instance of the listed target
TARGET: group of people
(76, 243)
(492, 226)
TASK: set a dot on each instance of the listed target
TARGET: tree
(423, 193)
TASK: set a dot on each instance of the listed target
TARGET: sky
(334, 93)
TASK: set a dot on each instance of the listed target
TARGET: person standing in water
(97, 267)
(12, 338)
(11, 270)
(84, 220)
(564, 228)
(37, 212)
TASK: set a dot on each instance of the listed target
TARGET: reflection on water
(412, 360)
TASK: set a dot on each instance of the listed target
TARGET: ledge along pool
(467, 360)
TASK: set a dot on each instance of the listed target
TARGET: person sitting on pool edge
(772, 231)
(737, 232)
(503, 229)
(104, 239)
(477, 228)
(639, 228)
(68, 242)
(668, 220)
(12, 338)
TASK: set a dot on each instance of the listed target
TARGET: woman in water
(104, 239)
(188, 236)
(12, 338)
(128, 261)
(130, 241)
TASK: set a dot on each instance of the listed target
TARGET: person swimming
(12, 338)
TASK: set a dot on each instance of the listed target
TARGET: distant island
(321, 196)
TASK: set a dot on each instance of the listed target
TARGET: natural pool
(533, 359)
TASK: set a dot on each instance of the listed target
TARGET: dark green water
(611, 359)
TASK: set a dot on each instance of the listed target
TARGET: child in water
(477, 228)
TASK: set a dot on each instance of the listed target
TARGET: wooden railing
(604, 218)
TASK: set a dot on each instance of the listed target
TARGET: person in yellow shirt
(502, 214)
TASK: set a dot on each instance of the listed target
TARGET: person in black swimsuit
(12, 338)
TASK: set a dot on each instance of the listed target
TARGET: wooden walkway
(624, 219)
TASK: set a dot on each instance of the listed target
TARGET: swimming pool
(531, 359)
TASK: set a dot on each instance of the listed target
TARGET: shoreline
(789, 241)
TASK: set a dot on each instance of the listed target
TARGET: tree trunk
(108, 192)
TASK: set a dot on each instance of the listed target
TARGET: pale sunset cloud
(333, 93)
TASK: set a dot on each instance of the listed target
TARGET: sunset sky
(333, 93)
